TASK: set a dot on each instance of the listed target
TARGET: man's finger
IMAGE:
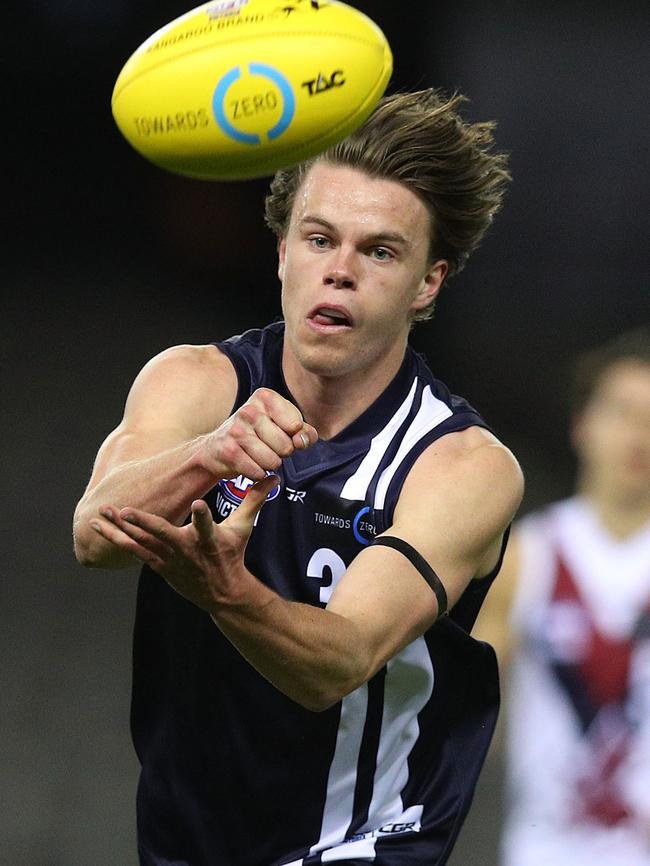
(254, 500)
(202, 519)
(151, 523)
(147, 549)
(284, 413)
(305, 437)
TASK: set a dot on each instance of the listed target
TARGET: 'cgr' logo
(235, 489)
(243, 100)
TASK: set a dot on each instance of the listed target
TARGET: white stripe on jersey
(356, 487)
(407, 688)
(359, 849)
(408, 683)
(339, 801)
(432, 412)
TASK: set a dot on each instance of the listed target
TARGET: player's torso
(362, 771)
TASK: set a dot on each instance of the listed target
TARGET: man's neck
(331, 403)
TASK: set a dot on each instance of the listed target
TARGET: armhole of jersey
(459, 422)
(241, 371)
(477, 582)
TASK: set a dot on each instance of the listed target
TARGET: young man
(300, 696)
(576, 590)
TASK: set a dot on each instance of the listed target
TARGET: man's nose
(340, 272)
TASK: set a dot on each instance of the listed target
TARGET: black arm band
(422, 566)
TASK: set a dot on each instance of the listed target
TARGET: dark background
(108, 260)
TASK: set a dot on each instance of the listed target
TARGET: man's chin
(327, 362)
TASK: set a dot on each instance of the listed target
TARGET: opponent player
(300, 695)
(576, 584)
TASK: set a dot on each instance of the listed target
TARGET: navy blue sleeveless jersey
(234, 773)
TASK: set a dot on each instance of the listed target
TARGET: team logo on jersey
(235, 489)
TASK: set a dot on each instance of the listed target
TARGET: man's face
(354, 267)
(612, 435)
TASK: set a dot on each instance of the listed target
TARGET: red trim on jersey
(605, 667)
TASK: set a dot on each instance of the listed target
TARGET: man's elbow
(85, 546)
(321, 700)
(314, 704)
(328, 691)
(87, 551)
(92, 551)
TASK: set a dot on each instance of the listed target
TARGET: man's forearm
(310, 654)
(165, 484)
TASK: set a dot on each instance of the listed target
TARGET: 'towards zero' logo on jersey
(235, 489)
(363, 527)
(362, 524)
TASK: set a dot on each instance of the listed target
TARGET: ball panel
(245, 164)
(204, 29)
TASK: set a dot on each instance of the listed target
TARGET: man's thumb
(255, 498)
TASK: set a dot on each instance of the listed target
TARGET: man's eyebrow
(390, 237)
(377, 237)
(319, 221)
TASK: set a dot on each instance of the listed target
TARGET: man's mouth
(326, 316)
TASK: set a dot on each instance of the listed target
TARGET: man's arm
(176, 440)
(456, 503)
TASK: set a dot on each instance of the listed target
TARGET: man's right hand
(257, 437)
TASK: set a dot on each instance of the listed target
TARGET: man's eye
(319, 242)
(382, 254)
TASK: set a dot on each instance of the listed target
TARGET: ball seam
(365, 41)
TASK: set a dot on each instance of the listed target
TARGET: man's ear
(282, 252)
(431, 284)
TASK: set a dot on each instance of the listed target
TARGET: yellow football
(236, 89)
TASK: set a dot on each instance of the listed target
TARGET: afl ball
(237, 89)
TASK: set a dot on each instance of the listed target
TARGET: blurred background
(108, 260)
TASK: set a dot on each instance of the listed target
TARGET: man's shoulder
(460, 497)
(192, 382)
(468, 456)
(194, 365)
(469, 474)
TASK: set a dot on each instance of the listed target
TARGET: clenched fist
(257, 437)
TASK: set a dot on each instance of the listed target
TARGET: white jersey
(579, 695)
